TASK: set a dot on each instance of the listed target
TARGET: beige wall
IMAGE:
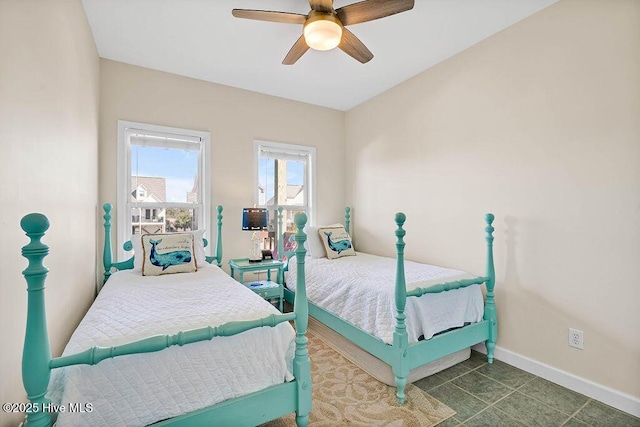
(49, 82)
(539, 124)
(234, 118)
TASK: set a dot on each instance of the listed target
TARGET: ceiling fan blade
(369, 10)
(297, 50)
(352, 46)
(321, 5)
(271, 16)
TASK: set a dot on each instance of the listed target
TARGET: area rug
(343, 394)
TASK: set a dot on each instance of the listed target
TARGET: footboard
(37, 362)
(400, 337)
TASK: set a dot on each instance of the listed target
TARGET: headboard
(107, 257)
(288, 254)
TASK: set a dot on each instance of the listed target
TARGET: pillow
(201, 258)
(168, 253)
(315, 245)
(336, 241)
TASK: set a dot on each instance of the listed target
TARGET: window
(284, 178)
(162, 180)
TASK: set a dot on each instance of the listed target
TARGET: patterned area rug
(343, 394)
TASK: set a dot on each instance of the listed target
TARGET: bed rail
(107, 256)
(400, 336)
(94, 355)
(447, 286)
(37, 362)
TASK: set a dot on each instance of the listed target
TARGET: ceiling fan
(324, 26)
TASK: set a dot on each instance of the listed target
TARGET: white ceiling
(201, 39)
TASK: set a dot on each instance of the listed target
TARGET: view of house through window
(165, 175)
(160, 176)
(284, 180)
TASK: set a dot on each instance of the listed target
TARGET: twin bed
(186, 349)
(407, 320)
(224, 349)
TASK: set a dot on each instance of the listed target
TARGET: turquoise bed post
(107, 259)
(490, 313)
(217, 256)
(400, 336)
(301, 362)
(347, 219)
(36, 354)
(219, 237)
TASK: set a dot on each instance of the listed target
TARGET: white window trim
(310, 171)
(124, 170)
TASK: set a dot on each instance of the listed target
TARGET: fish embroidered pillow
(336, 241)
(198, 236)
(168, 253)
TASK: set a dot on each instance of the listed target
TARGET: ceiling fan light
(322, 34)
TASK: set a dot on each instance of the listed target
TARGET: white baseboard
(609, 396)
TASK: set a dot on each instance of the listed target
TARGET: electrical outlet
(576, 339)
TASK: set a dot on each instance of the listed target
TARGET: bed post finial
(219, 236)
(107, 257)
(400, 336)
(347, 219)
(301, 362)
(36, 354)
(280, 232)
(490, 305)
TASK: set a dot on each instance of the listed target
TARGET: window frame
(124, 180)
(310, 176)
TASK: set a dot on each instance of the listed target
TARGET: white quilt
(360, 289)
(141, 389)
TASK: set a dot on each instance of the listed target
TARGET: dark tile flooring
(501, 395)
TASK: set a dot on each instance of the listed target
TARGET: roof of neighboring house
(156, 186)
(292, 193)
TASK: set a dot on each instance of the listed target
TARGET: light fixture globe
(322, 31)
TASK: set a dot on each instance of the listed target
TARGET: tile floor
(501, 395)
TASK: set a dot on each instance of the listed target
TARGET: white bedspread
(360, 289)
(140, 389)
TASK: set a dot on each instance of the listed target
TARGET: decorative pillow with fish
(337, 242)
(198, 241)
(168, 253)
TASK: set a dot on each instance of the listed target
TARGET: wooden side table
(242, 265)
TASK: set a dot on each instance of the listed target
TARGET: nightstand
(242, 265)
(268, 290)
(265, 288)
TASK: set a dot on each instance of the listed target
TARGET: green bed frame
(402, 356)
(265, 405)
